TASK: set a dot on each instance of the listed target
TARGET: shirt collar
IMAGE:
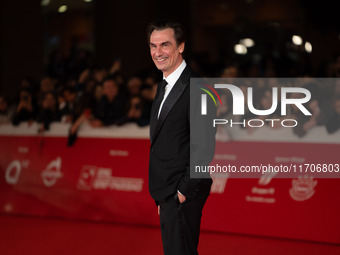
(173, 77)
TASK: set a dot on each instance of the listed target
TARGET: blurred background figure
(48, 112)
(25, 110)
(333, 122)
(6, 113)
(134, 85)
(111, 105)
(230, 72)
(67, 104)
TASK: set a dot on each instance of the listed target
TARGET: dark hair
(111, 77)
(70, 89)
(179, 30)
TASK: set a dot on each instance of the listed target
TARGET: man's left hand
(181, 197)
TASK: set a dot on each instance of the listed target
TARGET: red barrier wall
(106, 179)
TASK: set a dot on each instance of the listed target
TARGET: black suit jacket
(170, 144)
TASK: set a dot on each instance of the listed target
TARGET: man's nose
(159, 51)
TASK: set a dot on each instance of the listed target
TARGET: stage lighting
(297, 40)
(308, 47)
(45, 2)
(240, 49)
(248, 42)
(62, 8)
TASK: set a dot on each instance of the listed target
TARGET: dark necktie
(160, 97)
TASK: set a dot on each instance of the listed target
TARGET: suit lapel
(153, 115)
(170, 101)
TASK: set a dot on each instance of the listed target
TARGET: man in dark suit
(180, 199)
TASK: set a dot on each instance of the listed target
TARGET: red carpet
(37, 236)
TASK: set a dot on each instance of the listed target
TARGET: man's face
(70, 96)
(49, 101)
(110, 89)
(165, 52)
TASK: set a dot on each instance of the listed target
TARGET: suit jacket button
(151, 149)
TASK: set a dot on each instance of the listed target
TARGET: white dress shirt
(171, 80)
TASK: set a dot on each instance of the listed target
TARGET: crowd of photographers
(75, 92)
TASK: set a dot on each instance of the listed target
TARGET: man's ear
(181, 47)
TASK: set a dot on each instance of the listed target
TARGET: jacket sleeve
(202, 142)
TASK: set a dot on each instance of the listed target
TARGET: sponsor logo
(87, 176)
(225, 157)
(13, 172)
(24, 150)
(263, 194)
(98, 178)
(267, 177)
(118, 153)
(302, 188)
(52, 173)
(265, 200)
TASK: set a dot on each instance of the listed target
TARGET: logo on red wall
(13, 172)
(99, 178)
(87, 176)
(302, 188)
(52, 172)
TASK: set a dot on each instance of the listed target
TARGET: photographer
(25, 110)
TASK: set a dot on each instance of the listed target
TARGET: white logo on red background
(302, 188)
(87, 176)
(263, 193)
(13, 172)
(98, 178)
(52, 172)
(266, 178)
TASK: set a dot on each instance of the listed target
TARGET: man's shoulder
(187, 74)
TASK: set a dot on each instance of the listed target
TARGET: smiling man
(165, 52)
(180, 200)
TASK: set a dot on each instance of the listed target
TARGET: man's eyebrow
(167, 42)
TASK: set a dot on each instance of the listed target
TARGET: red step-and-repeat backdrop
(104, 177)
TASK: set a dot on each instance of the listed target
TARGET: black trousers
(180, 222)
